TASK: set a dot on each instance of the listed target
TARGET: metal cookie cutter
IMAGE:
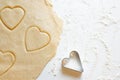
(72, 66)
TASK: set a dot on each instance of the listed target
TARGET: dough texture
(29, 36)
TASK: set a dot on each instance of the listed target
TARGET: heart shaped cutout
(7, 60)
(72, 65)
(35, 39)
(11, 17)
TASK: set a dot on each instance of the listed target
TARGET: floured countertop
(92, 27)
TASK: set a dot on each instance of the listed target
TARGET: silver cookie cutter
(72, 65)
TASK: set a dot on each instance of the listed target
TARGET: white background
(92, 27)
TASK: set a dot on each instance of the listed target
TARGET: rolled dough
(29, 36)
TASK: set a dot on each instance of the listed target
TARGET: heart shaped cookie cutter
(72, 66)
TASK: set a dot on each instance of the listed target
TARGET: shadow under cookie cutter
(72, 65)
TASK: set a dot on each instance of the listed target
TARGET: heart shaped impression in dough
(7, 60)
(35, 39)
(72, 65)
(12, 16)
